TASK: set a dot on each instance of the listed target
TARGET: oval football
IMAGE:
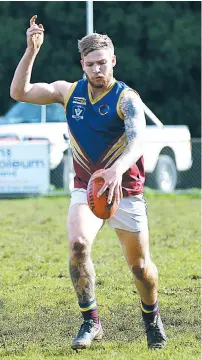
(99, 206)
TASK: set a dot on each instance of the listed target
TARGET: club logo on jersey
(103, 109)
(78, 112)
(79, 100)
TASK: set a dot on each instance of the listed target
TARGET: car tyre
(164, 177)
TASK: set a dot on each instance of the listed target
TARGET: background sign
(24, 167)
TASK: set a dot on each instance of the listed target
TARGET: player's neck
(95, 92)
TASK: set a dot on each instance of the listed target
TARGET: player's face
(98, 67)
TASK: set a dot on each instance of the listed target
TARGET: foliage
(157, 45)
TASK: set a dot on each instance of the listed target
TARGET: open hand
(35, 34)
(113, 181)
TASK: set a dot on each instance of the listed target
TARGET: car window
(149, 121)
(55, 113)
(22, 113)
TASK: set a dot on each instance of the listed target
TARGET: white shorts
(130, 216)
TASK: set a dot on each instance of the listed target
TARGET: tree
(157, 45)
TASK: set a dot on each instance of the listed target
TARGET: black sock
(149, 311)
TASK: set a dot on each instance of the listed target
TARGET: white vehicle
(167, 150)
(167, 154)
(28, 121)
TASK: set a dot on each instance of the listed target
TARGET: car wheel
(164, 177)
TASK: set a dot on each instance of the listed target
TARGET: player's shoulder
(62, 86)
(130, 99)
(68, 86)
(130, 93)
(126, 90)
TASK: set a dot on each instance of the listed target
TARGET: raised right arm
(39, 93)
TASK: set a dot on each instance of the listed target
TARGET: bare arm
(132, 108)
(40, 93)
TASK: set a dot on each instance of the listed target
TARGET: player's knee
(139, 270)
(79, 249)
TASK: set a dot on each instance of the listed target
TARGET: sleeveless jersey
(97, 135)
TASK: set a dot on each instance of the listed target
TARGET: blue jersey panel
(95, 124)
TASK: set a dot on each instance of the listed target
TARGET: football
(99, 206)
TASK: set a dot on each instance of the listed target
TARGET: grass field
(38, 308)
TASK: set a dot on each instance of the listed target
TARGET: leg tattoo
(83, 279)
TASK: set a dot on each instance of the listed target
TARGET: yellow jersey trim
(76, 146)
(116, 146)
(118, 103)
(94, 101)
(69, 94)
(116, 154)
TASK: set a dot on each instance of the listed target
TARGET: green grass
(38, 308)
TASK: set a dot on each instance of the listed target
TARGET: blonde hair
(93, 42)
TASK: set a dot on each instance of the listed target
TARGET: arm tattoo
(134, 118)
